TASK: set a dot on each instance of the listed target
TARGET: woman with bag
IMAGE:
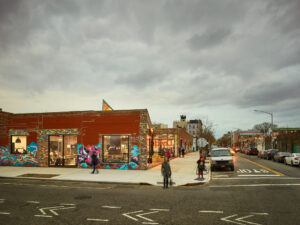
(200, 167)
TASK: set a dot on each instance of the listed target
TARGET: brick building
(121, 138)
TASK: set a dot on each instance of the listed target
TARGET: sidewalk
(183, 173)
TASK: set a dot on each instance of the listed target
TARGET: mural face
(6, 159)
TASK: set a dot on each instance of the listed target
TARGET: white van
(221, 158)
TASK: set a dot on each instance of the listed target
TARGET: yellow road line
(267, 168)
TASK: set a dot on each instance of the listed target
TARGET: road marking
(43, 216)
(206, 211)
(4, 213)
(259, 178)
(145, 218)
(260, 214)
(126, 214)
(254, 185)
(67, 204)
(262, 166)
(55, 213)
(149, 223)
(259, 175)
(111, 207)
(34, 202)
(99, 220)
(245, 217)
(220, 175)
(226, 219)
(165, 210)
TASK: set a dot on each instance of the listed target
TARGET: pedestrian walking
(94, 162)
(168, 154)
(183, 151)
(200, 167)
(179, 151)
(166, 172)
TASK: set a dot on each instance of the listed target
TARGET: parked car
(247, 151)
(279, 156)
(272, 153)
(293, 159)
(237, 149)
(253, 151)
(261, 154)
(221, 158)
(266, 154)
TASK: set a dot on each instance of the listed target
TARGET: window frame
(104, 160)
(11, 144)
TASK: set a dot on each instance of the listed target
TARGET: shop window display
(115, 149)
(18, 144)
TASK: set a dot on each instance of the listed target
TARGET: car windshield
(221, 153)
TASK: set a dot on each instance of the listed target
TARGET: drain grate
(39, 175)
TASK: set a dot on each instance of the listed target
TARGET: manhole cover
(39, 175)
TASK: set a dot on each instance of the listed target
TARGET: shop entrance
(62, 150)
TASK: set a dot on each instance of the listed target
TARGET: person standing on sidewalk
(200, 166)
(179, 151)
(183, 151)
(166, 172)
(94, 162)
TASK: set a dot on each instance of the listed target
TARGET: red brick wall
(90, 124)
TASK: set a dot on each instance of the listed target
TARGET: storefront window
(18, 144)
(115, 149)
(62, 150)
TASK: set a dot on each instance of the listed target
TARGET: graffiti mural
(85, 154)
(7, 159)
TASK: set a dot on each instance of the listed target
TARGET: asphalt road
(264, 193)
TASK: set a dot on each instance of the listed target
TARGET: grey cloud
(268, 94)
(208, 39)
(143, 79)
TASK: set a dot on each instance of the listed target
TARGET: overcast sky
(211, 60)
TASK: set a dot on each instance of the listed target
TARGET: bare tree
(264, 127)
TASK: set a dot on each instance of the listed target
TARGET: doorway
(62, 151)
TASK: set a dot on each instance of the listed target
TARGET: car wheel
(285, 162)
(292, 163)
(232, 168)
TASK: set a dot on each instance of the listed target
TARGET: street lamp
(271, 114)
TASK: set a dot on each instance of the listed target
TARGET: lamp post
(271, 114)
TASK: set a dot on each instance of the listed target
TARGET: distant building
(159, 126)
(194, 128)
(181, 124)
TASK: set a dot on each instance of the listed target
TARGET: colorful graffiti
(58, 132)
(7, 159)
(135, 154)
(84, 154)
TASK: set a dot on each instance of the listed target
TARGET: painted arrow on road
(240, 220)
(53, 210)
(142, 214)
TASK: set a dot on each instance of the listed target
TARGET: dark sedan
(253, 151)
(280, 156)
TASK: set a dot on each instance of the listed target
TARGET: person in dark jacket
(200, 166)
(94, 162)
(166, 172)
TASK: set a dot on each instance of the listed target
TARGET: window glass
(70, 150)
(18, 144)
(56, 150)
(115, 148)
